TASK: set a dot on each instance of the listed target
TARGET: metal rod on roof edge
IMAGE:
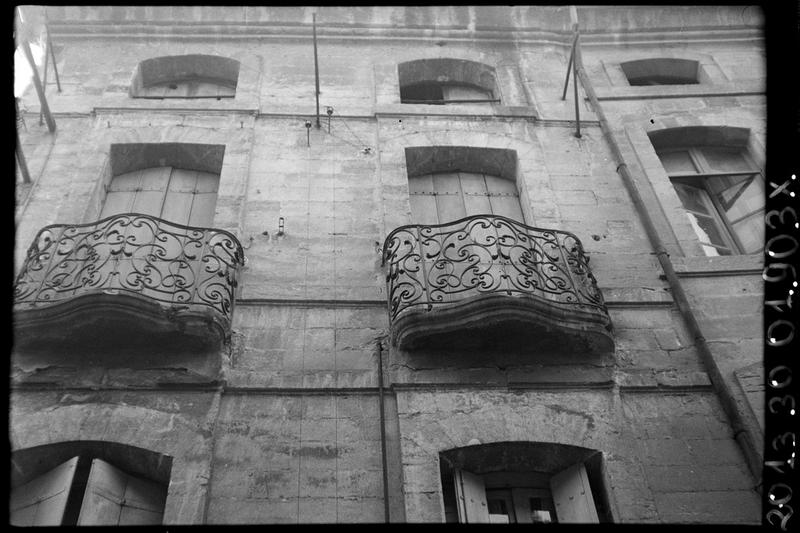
(44, 80)
(51, 124)
(53, 56)
(316, 64)
(573, 16)
(569, 68)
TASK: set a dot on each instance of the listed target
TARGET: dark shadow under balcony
(487, 280)
(129, 283)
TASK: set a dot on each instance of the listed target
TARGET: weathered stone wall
(177, 424)
(293, 433)
(307, 458)
(672, 458)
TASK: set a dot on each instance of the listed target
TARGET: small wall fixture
(329, 111)
(308, 134)
(280, 219)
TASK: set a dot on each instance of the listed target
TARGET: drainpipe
(382, 408)
(741, 433)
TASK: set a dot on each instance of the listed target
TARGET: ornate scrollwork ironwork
(141, 254)
(439, 264)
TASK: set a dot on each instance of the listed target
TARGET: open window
(87, 489)
(662, 71)
(443, 81)
(186, 76)
(547, 483)
(720, 188)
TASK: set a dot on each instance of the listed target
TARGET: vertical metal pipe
(382, 408)
(316, 64)
(575, 85)
(51, 124)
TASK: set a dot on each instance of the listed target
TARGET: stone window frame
(712, 80)
(679, 238)
(182, 68)
(499, 162)
(515, 98)
(231, 165)
(125, 158)
(444, 71)
(683, 71)
(508, 457)
(152, 466)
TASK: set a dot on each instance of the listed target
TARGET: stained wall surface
(291, 429)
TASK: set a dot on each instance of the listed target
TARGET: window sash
(706, 180)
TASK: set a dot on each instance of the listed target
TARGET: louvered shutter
(185, 197)
(42, 501)
(471, 498)
(572, 496)
(113, 497)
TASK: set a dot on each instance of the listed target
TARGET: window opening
(433, 93)
(443, 197)
(179, 195)
(722, 194)
(441, 81)
(523, 482)
(524, 497)
(87, 490)
(186, 76)
(661, 71)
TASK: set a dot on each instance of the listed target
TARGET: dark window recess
(440, 94)
(661, 71)
(439, 81)
(186, 76)
(430, 93)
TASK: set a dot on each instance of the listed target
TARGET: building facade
(451, 289)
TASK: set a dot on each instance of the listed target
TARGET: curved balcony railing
(182, 268)
(433, 268)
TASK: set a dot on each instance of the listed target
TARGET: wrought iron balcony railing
(182, 268)
(433, 268)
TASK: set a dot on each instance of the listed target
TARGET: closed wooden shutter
(471, 498)
(455, 195)
(42, 501)
(182, 196)
(572, 496)
(449, 196)
(113, 497)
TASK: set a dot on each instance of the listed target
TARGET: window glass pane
(707, 229)
(677, 162)
(497, 506)
(725, 159)
(742, 198)
(750, 232)
(692, 198)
